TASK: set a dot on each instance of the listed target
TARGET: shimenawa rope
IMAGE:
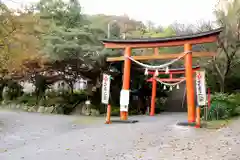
(160, 66)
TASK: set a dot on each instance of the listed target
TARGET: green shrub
(65, 102)
(160, 103)
(53, 101)
(27, 99)
(115, 111)
(11, 90)
(132, 111)
(224, 106)
(71, 100)
(66, 97)
(15, 90)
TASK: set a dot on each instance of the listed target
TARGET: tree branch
(217, 69)
(223, 47)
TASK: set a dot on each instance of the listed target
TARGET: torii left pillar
(153, 98)
(126, 78)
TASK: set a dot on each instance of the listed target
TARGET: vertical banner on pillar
(106, 88)
(124, 100)
(201, 88)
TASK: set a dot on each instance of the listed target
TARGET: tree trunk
(221, 78)
(222, 86)
(71, 88)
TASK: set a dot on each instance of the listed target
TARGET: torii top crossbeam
(204, 37)
(199, 38)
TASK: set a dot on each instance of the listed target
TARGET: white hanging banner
(106, 88)
(123, 108)
(201, 88)
(124, 100)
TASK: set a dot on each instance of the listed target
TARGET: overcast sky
(163, 12)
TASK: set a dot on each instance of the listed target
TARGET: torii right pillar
(189, 83)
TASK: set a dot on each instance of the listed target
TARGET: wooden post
(189, 84)
(108, 118)
(209, 98)
(154, 90)
(126, 78)
(198, 117)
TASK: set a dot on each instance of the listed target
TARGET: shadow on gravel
(85, 120)
(123, 122)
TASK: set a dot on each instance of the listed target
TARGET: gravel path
(32, 136)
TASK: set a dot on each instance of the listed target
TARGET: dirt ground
(33, 136)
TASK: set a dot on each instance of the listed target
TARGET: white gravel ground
(32, 136)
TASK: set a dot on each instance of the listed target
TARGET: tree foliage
(69, 35)
(19, 38)
(229, 42)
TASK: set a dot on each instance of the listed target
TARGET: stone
(6, 105)
(13, 106)
(9, 106)
(41, 109)
(86, 110)
(46, 110)
(58, 109)
(95, 112)
(18, 106)
(35, 108)
(30, 109)
(5, 93)
(77, 110)
(25, 108)
(49, 109)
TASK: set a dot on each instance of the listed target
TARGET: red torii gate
(186, 40)
(171, 72)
